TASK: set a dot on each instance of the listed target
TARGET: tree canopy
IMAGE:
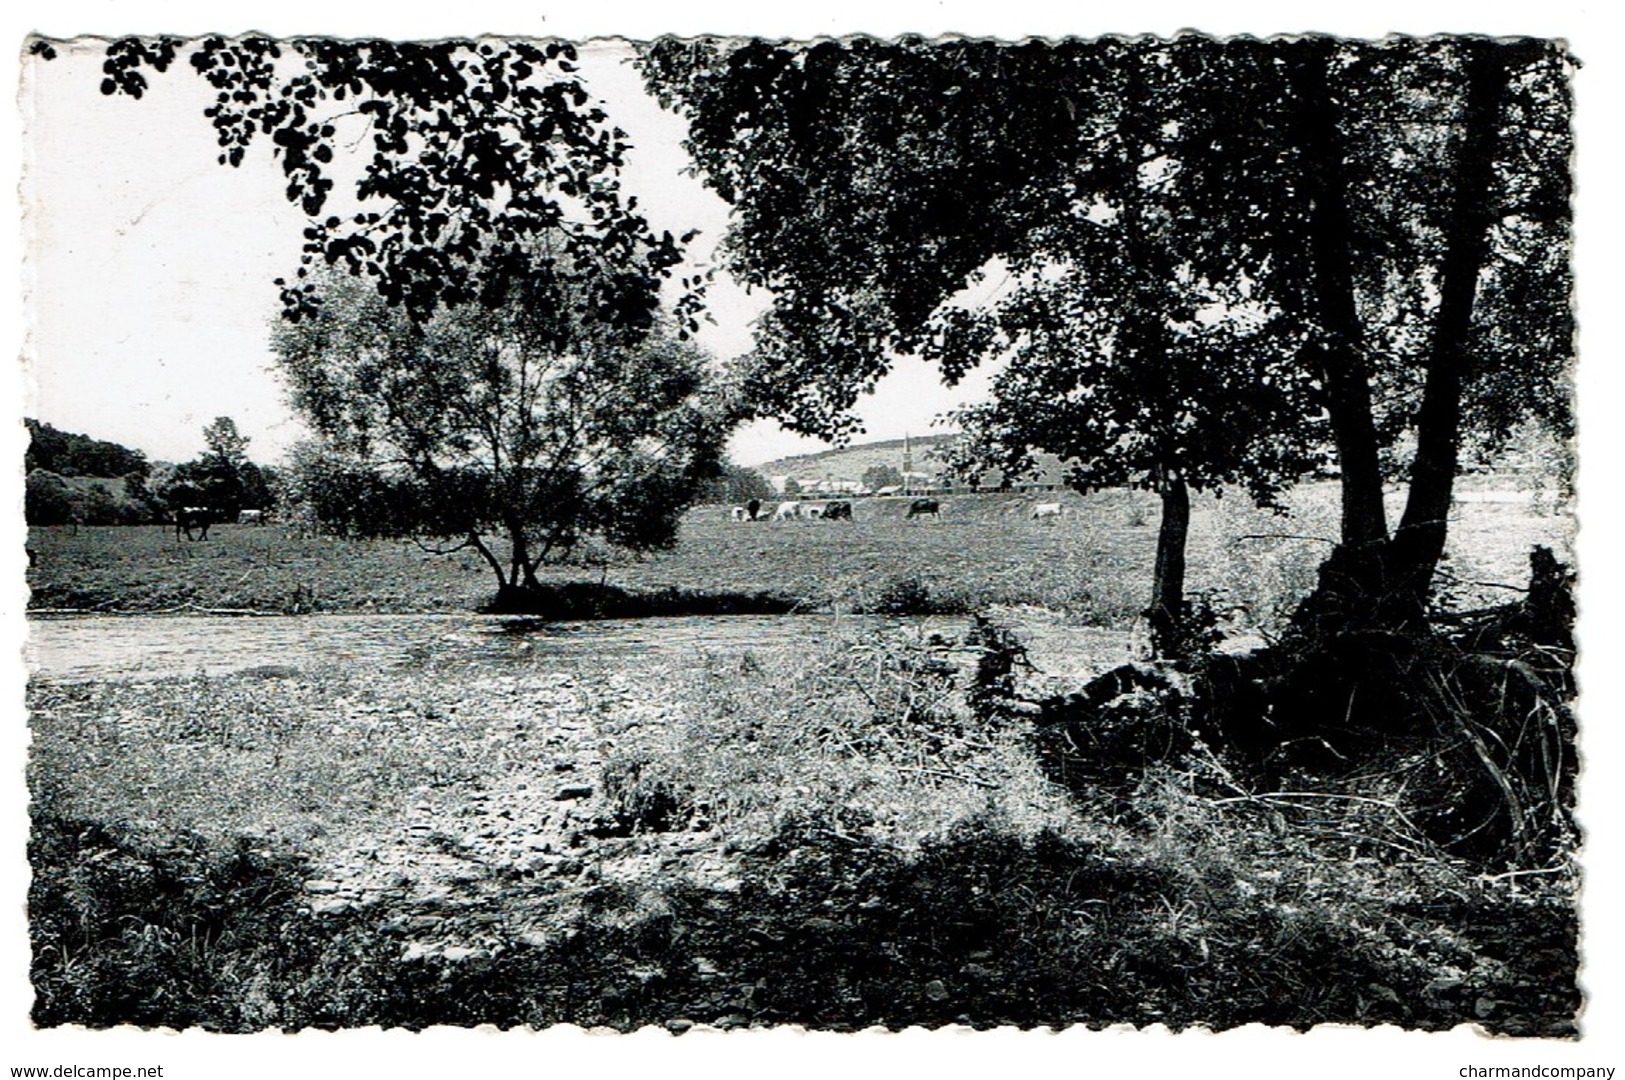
(1378, 204)
(70, 454)
(476, 148)
(222, 478)
(737, 484)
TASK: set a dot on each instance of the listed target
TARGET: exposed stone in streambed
(514, 852)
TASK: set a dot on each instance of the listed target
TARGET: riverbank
(143, 648)
(827, 834)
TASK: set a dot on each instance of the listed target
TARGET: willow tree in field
(478, 428)
(1383, 202)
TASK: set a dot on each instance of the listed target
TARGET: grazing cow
(188, 518)
(739, 514)
(814, 510)
(1049, 511)
(921, 507)
(251, 517)
(838, 511)
(787, 510)
(754, 508)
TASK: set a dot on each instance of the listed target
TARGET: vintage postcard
(764, 540)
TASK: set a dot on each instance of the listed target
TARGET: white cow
(741, 514)
(787, 510)
(251, 517)
(814, 510)
(1044, 511)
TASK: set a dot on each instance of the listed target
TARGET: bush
(152, 932)
(912, 594)
(47, 499)
(904, 596)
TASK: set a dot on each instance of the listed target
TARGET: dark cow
(838, 511)
(188, 518)
(921, 507)
(754, 508)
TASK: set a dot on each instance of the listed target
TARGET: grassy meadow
(839, 834)
(1093, 564)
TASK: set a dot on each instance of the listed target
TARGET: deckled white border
(1326, 1052)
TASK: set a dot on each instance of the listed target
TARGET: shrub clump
(173, 932)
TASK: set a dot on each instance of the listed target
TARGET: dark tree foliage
(47, 499)
(70, 454)
(476, 148)
(876, 477)
(50, 499)
(737, 484)
(222, 478)
(1396, 212)
(1123, 359)
(228, 480)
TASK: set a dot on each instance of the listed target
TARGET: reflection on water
(101, 647)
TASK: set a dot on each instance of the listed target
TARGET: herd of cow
(834, 510)
(755, 510)
(193, 521)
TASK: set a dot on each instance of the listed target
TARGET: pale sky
(151, 266)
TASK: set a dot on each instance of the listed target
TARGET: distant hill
(850, 462)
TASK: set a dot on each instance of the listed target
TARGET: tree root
(1462, 727)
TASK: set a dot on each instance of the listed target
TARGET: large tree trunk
(1166, 613)
(1339, 356)
(522, 572)
(1419, 541)
(1372, 581)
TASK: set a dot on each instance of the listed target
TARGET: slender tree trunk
(1166, 613)
(1145, 339)
(519, 569)
(1419, 541)
(1340, 355)
(491, 559)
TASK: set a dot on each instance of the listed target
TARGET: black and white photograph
(717, 544)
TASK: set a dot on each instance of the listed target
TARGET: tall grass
(869, 737)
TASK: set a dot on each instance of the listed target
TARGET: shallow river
(128, 647)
